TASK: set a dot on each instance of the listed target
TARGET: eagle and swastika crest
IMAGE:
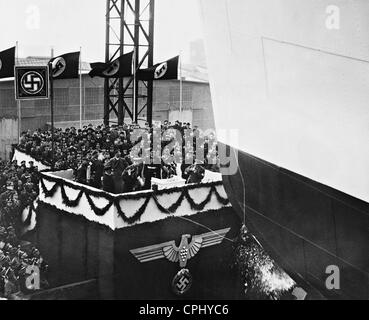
(182, 282)
(186, 250)
(31, 83)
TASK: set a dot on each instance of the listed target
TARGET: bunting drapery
(114, 200)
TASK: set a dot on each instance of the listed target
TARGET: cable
(243, 186)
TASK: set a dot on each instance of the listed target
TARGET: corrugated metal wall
(36, 113)
(8, 136)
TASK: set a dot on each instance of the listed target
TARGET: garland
(43, 207)
(220, 199)
(115, 199)
(70, 203)
(99, 212)
(128, 196)
(48, 193)
(199, 206)
(173, 208)
(137, 216)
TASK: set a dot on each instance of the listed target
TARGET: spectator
(108, 181)
(195, 173)
(87, 151)
(97, 170)
(118, 165)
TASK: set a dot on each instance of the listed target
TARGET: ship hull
(289, 82)
(305, 226)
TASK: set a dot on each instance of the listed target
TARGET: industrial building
(196, 102)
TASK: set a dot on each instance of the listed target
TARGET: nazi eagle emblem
(184, 252)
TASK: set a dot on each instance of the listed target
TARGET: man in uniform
(118, 165)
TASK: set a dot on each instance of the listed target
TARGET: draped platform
(87, 234)
(120, 211)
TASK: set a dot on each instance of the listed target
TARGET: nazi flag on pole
(118, 68)
(7, 63)
(65, 66)
(162, 71)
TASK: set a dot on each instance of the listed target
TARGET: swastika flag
(7, 62)
(31, 83)
(119, 68)
(162, 71)
(66, 66)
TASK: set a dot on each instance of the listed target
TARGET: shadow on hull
(305, 226)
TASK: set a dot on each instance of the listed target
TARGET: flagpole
(180, 88)
(80, 88)
(52, 109)
(18, 101)
(134, 84)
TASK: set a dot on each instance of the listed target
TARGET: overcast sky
(67, 25)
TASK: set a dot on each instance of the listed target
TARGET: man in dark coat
(108, 181)
(195, 173)
(130, 178)
(97, 170)
(118, 165)
(81, 175)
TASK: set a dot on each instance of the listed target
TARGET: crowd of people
(106, 157)
(18, 190)
(117, 159)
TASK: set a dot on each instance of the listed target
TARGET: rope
(243, 188)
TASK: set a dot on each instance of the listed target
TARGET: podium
(86, 234)
(161, 184)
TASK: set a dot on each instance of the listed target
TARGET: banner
(31, 83)
(119, 68)
(7, 63)
(162, 71)
(66, 66)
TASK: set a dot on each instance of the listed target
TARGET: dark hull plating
(78, 250)
(304, 225)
